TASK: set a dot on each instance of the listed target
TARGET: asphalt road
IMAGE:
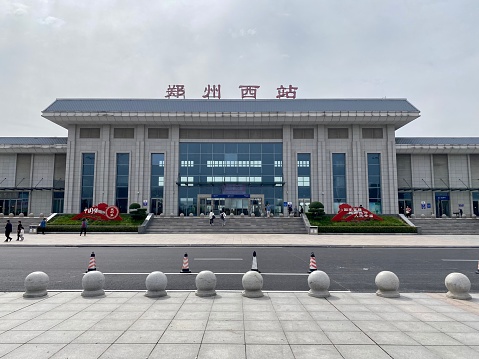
(350, 269)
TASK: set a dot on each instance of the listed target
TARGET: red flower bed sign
(348, 213)
(102, 212)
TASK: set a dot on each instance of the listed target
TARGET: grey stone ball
(41, 215)
(10, 215)
(205, 284)
(252, 284)
(30, 215)
(36, 285)
(319, 282)
(156, 284)
(191, 215)
(388, 284)
(458, 286)
(182, 215)
(1, 215)
(21, 215)
(93, 283)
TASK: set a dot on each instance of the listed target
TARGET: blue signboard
(230, 195)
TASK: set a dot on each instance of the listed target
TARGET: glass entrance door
(235, 206)
(442, 204)
(157, 205)
(304, 202)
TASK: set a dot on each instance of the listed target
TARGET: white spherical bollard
(36, 285)
(388, 284)
(205, 284)
(92, 284)
(318, 282)
(156, 284)
(458, 286)
(252, 284)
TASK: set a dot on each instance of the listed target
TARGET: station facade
(241, 156)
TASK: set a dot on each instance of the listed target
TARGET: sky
(426, 51)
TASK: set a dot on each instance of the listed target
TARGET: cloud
(51, 21)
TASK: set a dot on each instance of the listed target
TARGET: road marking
(218, 259)
(235, 273)
(460, 260)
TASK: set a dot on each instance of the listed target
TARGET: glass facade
(237, 177)
(405, 200)
(374, 182)
(304, 181)
(157, 182)
(14, 202)
(87, 180)
(122, 177)
(58, 200)
(339, 180)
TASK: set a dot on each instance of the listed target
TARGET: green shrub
(137, 212)
(316, 210)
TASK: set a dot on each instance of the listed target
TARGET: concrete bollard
(92, 284)
(318, 282)
(458, 286)
(36, 285)
(388, 284)
(205, 284)
(156, 284)
(252, 284)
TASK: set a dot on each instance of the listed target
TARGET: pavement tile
(130, 351)
(138, 307)
(398, 317)
(19, 337)
(21, 315)
(337, 326)
(121, 294)
(156, 314)
(165, 307)
(349, 338)
(474, 325)
(466, 338)
(69, 307)
(192, 315)
(196, 307)
(105, 324)
(223, 351)
(34, 351)
(363, 316)
(375, 326)
(41, 307)
(351, 308)
(341, 298)
(187, 324)
(408, 352)
(391, 338)
(258, 315)
(175, 351)
(98, 337)
(301, 325)
(315, 352)
(7, 348)
(433, 338)
(431, 317)
(263, 325)
(123, 315)
(303, 338)
(159, 324)
(447, 309)
(417, 309)
(453, 352)
(237, 307)
(224, 337)
(269, 352)
(228, 316)
(100, 307)
(115, 300)
(294, 316)
(7, 324)
(258, 337)
(328, 316)
(463, 317)
(53, 314)
(289, 308)
(57, 337)
(36, 324)
(362, 352)
(178, 336)
(451, 327)
(140, 336)
(258, 308)
(384, 308)
(76, 324)
(81, 351)
(225, 325)
(414, 327)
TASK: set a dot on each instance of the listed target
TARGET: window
(303, 133)
(374, 182)
(339, 179)
(123, 133)
(157, 133)
(89, 132)
(87, 180)
(122, 177)
(372, 133)
(338, 133)
(304, 177)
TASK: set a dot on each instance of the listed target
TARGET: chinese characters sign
(247, 91)
(102, 212)
(347, 214)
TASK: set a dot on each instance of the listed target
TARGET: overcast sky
(424, 50)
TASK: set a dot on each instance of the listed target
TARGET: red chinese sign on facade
(348, 213)
(248, 91)
(286, 92)
(175, 91)
(212, 91)
(102, 212)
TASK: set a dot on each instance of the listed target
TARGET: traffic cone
(312, 263)
(477, 271)
(92, 263)
(186, 266)
(254, 266)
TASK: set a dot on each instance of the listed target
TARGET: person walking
(268, 210)
(43, 225)
(84, 226)
(212, 217)
(20, 231)
(8, 231)
(223, 217)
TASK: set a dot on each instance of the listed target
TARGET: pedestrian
(268, 210)
(84, 226)
(8, 230)
(212, 217)
(43, 225)
(301, 210)
(290, 209)
(460, 212)
(408, 211)
(20, 231)
(223, 217)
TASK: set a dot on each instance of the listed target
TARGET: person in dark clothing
(19, 231)
(43, 225)
(84, 225)
(8, 230)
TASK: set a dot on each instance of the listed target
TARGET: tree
(316, 210)
(137, 212)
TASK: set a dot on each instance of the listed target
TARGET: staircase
(447, 225)
(237, 224)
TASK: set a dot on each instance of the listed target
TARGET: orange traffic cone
(186, 266)
(312, 263)
(254, 265)
(92, 263)
(477, 271)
